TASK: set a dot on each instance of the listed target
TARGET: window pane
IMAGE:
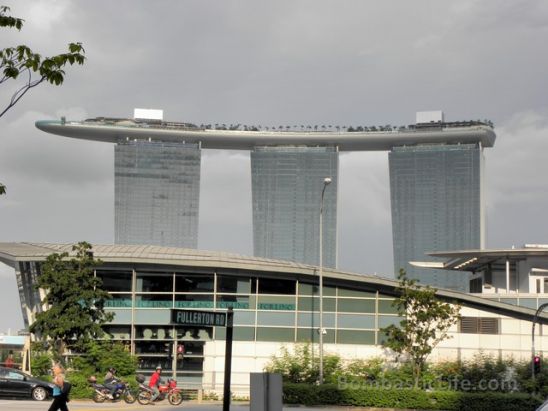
(276, 303)
(194, 334)
(313, 289)
(152, 317)
(244, 317)
(230, 284)
(119, 301)
(313, 304)
(355, 321)
(275, 334)
(385, 307)
(239, 333)
(346, 292)
(118, 332)
(154, 282)
(153, 332)
(115, 281)
(275, 286)
(193, 283)
(312, 335)
(355, 337)
(356, 306)
(387, 320)
(276, 318)
(313, 320)
(154, 301)
(193, 301)
(241, 302)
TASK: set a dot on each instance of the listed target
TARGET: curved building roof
(123, 130)
(13, 253)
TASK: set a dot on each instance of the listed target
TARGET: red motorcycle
(168, 390)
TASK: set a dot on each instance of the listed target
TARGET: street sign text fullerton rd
(191, 318)
(198, 318)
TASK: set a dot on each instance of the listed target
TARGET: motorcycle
(101, 393)
(168, 390)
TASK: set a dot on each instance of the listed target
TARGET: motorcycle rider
(111, 381)
(154, 383)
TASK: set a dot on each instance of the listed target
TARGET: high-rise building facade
(437, 205)
(287, 184)
(157, 190)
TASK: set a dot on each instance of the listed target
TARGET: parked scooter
(102, 393)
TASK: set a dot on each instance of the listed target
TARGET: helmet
(159, 368)
(112, 370)
(92, 379)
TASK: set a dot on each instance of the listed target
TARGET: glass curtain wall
(287, 183)
(436, 201)
(265, 310)
(156, 193)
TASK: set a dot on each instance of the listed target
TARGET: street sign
(194, 318)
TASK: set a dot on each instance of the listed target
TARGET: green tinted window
(274, 318)
(239, 333)
(276, 303)
(387, 320)
(232, 284)
(275, 334)
(313, 289)
(313, 320)
(238, 302)
(355, 305)
(345, 292)
(355, 321)
(313, 304)
(355, 337)
(193, 301)
(311, 335)
(244, 317)
(385, 307)
(154, 301)
(119, 301)
(152, 316)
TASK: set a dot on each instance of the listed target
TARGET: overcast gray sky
(273, 63)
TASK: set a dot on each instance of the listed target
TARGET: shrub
(330, 394)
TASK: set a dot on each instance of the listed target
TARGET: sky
(274, 63)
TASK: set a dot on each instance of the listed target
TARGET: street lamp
(326, 182)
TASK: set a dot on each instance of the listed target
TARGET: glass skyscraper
(157, 189)
(437, 205)
(287, 183)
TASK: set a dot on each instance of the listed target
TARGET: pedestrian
(9, 361)
(59, 391)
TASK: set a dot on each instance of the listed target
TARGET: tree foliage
(74, 300)
(99, 356)
(426, 322)
(21, 63)
(301, 366)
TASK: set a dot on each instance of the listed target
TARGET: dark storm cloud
(271, 64)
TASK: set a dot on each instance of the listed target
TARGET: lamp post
(326, 182)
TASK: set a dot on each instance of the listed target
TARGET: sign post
(228, 358)
(193, 318)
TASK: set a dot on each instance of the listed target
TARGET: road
(17, 405)
(8, 405)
